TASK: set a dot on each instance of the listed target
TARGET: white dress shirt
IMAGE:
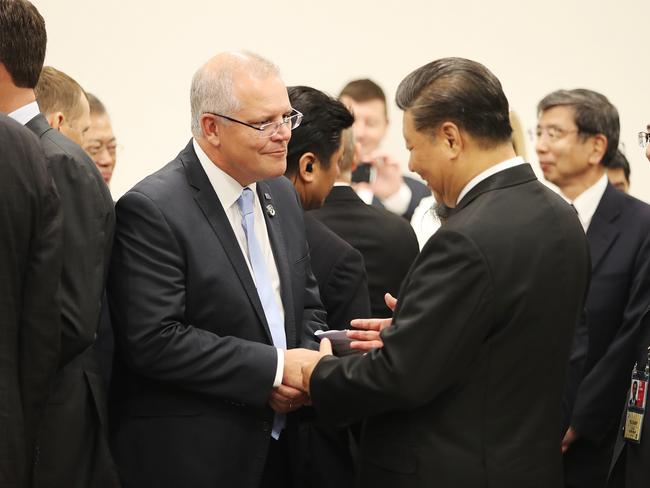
(497, 168)
(587, 202)
(228, 190)
(425, 222)
(25, 113)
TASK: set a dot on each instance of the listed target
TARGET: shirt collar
(587, 202)
(225, 186)
(507, 164)
(25, 113)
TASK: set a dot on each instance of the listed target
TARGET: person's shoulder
(320, 236)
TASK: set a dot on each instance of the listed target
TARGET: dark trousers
(277, 470)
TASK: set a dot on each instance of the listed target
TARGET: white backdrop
(138, 56)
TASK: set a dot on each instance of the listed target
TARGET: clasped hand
(299, 364)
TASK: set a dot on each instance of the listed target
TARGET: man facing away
(467, 387)
(210, 293)
(72, 448)
(30, 268)
(578, 132)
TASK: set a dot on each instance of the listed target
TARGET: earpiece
(309, 167)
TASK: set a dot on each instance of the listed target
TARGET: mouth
(277, 154)
(545, 165)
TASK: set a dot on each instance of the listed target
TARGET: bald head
(213, 85)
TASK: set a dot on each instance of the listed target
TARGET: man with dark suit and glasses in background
(577, 138)
(466, 390)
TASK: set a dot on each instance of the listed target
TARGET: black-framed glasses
(644, 138)
(269, 129)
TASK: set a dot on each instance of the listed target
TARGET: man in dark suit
(390, 189)
(72, 448)
(315, 149)
(578, 133)
(210, 292)
(30, 267)
(387, 242)
(466, 390)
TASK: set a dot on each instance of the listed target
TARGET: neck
(573, 189)
(473, 163)
(214, 157)
(12, 97)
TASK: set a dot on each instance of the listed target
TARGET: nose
(283, 133)
(541, 146)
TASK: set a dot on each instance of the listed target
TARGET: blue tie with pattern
(263, 285)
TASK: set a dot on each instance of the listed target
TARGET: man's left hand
(569, 438)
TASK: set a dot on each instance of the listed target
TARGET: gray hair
(212, 89)
(594, 114)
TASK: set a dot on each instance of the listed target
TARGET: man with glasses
(211, 291)
(577, 137)
(100, 142)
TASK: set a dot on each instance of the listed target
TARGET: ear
(598, 149)
(55, 119)
(210, 129)
(451, 138)
(306, 167)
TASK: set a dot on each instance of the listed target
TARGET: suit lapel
(603, 231)
(38, 125)
(274, 228)
(210, 205)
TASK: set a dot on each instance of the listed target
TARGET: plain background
(139, 56)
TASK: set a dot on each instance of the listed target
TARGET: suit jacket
(340, 272)
(386, 241)
(72, 444)
(418, 191)
(30, 267)
(194, 362)
(466, 390)
(630, 461)
(605, 344)
(341, 277)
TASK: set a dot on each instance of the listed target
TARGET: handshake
(299, 364)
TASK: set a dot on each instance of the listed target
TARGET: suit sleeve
(441, 320)
(40, 325)
(147, 302)
(601, 392)
(346, 292)
(87, 234)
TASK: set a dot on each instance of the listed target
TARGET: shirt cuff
(280, 369)
(398, 202)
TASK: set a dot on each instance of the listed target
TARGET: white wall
(138, 56)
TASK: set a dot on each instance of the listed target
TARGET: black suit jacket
(386, 241)
(72, 444)
(340, 273)
(30, 267)
(195, 362)
(466, 390)
(630, 461)
(605, 344)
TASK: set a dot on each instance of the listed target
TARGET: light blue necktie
(263, 285)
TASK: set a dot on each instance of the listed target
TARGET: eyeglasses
(270, 128)
(554, 133)
(644, 138)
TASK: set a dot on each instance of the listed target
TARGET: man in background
(315, 149)
(30, 268)
(577, 137)
(389, 188)
(386, 241)
(618, 172)
(72, 449)
(100, 142)
(63, 103)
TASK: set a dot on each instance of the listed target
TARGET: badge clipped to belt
(635, 409)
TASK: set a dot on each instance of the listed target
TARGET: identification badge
(635, 410)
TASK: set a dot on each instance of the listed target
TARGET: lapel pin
(267, 196)
(270, 210)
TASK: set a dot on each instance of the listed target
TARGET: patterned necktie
(263, 284)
